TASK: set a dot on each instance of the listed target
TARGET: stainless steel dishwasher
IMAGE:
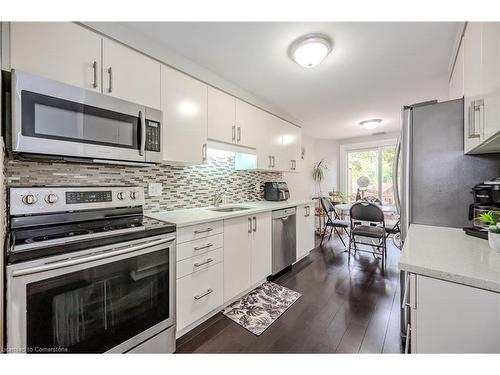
(284, 239)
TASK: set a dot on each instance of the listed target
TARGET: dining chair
(333, 221)
(362, 212)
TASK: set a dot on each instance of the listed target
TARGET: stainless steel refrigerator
(433, 178)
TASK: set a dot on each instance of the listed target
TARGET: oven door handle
(90, 258)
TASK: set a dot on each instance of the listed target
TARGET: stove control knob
(29, 199)
(133, 195)
(51, 198)
(120, 196)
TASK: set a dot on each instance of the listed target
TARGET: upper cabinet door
(131, 76)
(247, 124)
(270, 146)
(221, 116)
(472, 86)
(184, 106)
(456, 86)
(62, 51)
(490, 78)
(292, 141)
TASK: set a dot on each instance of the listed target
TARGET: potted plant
(318, 174)
(491, 218)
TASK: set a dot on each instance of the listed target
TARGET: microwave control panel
(153, 136)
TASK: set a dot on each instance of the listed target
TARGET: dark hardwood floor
(345, 308)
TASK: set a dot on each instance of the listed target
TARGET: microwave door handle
(142, 119)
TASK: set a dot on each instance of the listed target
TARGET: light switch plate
(154, 189)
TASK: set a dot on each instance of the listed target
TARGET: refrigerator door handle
(395, 175)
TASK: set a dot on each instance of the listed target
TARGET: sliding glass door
(369, 174)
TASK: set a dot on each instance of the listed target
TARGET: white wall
(370, 138)
(301, 184)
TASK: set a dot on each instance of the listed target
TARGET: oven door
(106, 299)
(52, 118)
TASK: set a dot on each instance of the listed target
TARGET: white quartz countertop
(191, 216)
(449, 254)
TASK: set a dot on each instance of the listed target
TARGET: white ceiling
(373, 70)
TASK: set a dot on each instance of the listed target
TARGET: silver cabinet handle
(270, 161)
(203, 247)
(233, 133)
(94, 66)
(239, 135)
(110, 72)
(274, 160)
(254, 224)
(249, 225)
(408, 338)
(203, 231)
(200, 296)
(204, 152)
(307, 211)
(209, 260)
(143, 133)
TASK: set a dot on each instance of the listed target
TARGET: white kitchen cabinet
(261, 247)
(453, 318)
(247, 252)
(305, 230)
(481, 44)
(248, 126)
(198, 294)
(490, 78)
(184, 107)
(130, 75)
(269, 150)
(221, 116)
(292, 142)
(472, 85)
(62, 51)
(237, 256)
(456, 84)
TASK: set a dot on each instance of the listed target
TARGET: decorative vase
(494, 240)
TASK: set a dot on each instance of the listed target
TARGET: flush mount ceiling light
(310, 50)
(370, 124)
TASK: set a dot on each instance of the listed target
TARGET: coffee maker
(486, 197)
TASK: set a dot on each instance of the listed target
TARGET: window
(368, 171)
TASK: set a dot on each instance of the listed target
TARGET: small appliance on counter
(486, 198)
(276, 191)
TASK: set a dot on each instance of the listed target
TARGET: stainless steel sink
(229, 209)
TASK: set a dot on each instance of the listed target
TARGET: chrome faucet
(218, 198)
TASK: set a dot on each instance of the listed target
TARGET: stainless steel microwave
(55, 120)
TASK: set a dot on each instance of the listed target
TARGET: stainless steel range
(88, 272)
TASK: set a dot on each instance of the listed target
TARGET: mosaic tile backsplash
(183, 187)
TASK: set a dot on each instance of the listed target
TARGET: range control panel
(36, 200)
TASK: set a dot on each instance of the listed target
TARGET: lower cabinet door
(454, 318)
(198, 294)
(305, 230)
(238, 233)
(261, 247)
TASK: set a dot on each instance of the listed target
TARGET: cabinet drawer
(198, 294)
(200, 262)
(199, 231)
(193, 248)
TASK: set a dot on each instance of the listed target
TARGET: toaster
(276, 191)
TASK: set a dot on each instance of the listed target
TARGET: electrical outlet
(154, 189)
(257, 187)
